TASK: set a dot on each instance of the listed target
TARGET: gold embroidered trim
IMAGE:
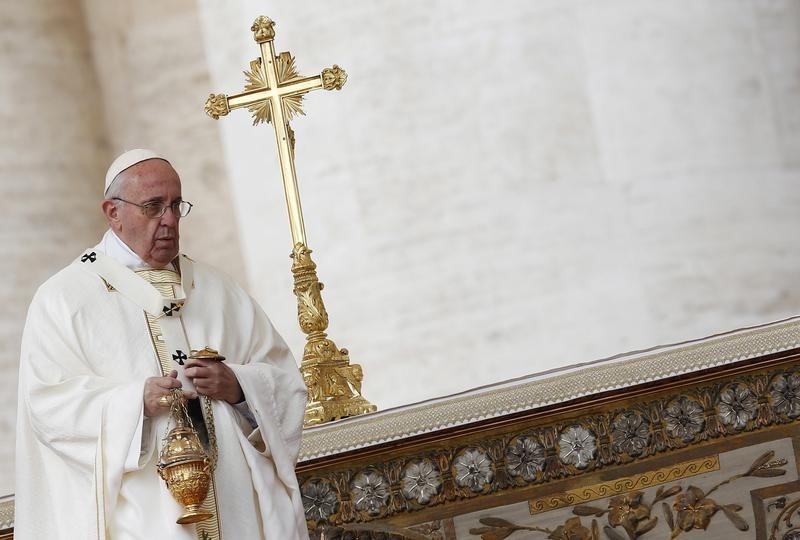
(158, 277)
(163, 282)
(209, 529)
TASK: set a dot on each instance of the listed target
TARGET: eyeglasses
(155, 210)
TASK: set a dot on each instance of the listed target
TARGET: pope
(107, 340)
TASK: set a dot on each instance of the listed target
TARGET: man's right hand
(157, 387)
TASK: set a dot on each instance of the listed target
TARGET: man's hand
(157, 387)
(214, 379)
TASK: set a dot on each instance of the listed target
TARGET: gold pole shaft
(284, 149)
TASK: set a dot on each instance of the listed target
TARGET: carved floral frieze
(561, 449)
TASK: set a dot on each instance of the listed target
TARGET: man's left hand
(214, 379)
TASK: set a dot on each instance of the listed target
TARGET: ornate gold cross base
(334, 385)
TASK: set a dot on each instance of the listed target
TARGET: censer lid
(206, 353)
(181, 445)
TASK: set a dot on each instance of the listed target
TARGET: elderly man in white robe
(106, 341)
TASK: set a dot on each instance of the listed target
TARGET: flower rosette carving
(525, 458)
(370, 492)
(541, 455)
(736, 406)
(684, 418)
(630, 433)
(320, 500)
(421, 481)
(577, 446)
(784, 395)
(473, 469)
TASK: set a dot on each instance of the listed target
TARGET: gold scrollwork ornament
(217, 105)
(334, 384)
(263, 29)
(333, 78)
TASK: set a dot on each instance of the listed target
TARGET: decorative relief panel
(623, 434)
(622, 485)
(676, 507)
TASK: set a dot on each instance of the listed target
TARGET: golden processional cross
(273, 93)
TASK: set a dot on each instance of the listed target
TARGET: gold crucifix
(273, 93)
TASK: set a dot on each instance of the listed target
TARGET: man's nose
(170, 217)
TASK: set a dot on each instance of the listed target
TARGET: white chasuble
(86, 456)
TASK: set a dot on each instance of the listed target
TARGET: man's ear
(111, 211)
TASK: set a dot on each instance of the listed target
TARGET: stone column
(52, 158)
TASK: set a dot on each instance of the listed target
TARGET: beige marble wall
(504, 188)
(52, 148)
(81, 82)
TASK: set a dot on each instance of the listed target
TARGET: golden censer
(184, 464)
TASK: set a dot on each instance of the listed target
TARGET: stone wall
(82, 82)
(497, 190)
(53, 150)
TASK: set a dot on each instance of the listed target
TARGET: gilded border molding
(549, 388)
(624, 485)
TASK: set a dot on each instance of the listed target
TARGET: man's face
(155, 240)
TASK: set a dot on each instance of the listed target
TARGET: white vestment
(86, 456)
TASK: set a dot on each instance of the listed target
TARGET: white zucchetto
(128, 159)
